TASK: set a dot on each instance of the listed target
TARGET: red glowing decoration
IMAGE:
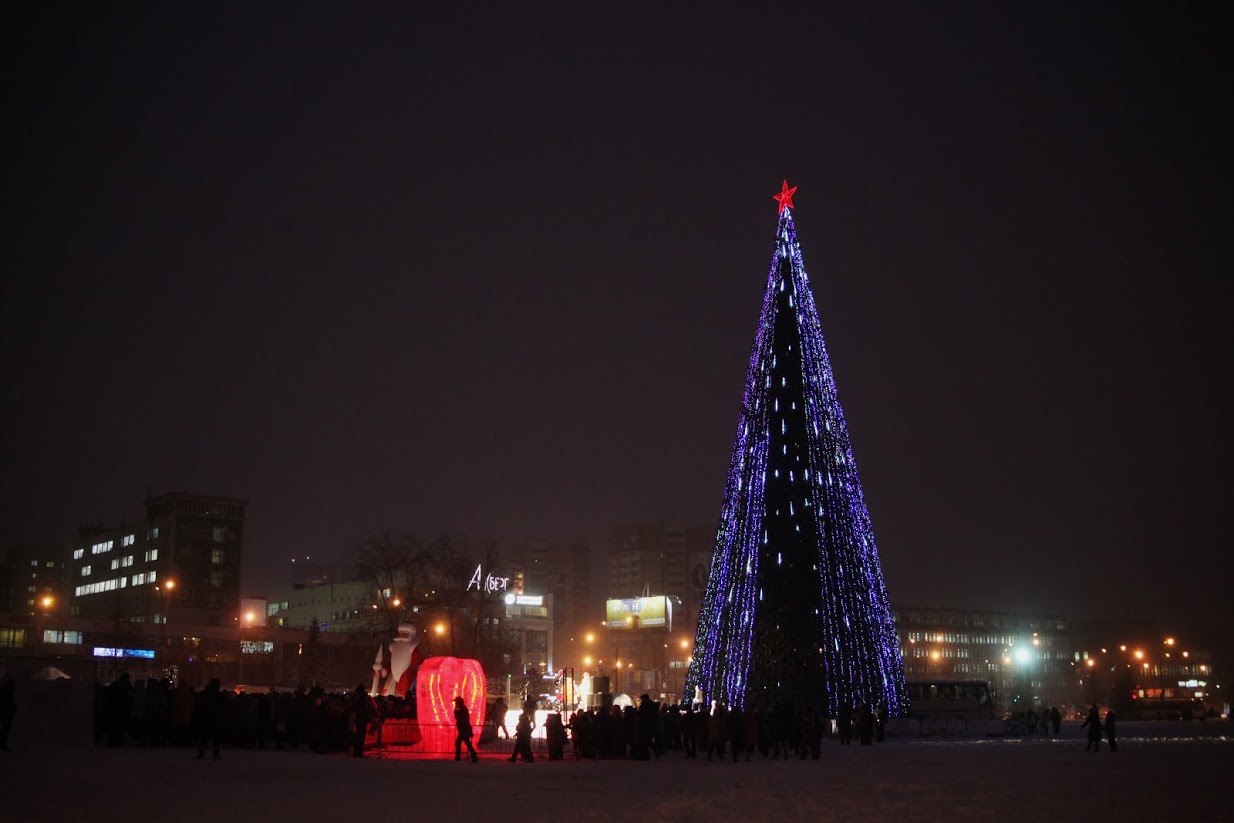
(785, 197)
(440, 680)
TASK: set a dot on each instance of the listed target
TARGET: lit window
(216, 579)
(220, 534)
(34, 562)
(128, 540)
(216, 557)
(78, 554)
(151, 555)
(85, 571)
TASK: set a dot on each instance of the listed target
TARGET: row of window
(982, 620)
(113, 584)
(122, 562)
(108, 545)
(950, 637)
(51, 564)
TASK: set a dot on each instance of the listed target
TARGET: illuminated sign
(487, 583)
(103, 651)
(639, 613)
(513, 599)
(256, 647)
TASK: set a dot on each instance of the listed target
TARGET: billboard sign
(639, 613)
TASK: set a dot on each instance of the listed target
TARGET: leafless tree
(429, 585)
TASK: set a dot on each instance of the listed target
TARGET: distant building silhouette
(32, 580)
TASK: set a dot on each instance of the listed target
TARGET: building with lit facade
(1026, 659)
(337, 607)
(1145, 671)
(180, 565)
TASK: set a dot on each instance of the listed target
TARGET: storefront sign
(487, 583)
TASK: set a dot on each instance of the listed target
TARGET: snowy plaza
(1160, 773)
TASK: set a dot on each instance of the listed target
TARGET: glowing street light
(440, 628)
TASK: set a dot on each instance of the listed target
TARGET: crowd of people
(155, 713)
(652, 729)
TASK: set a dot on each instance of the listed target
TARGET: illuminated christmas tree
(796, 608)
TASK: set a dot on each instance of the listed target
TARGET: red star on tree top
(785, 197)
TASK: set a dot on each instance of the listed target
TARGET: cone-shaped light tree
(796, 608)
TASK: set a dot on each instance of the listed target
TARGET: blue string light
(795, 607)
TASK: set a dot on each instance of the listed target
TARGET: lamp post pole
(1169, 641)
(46, 604)
(164, 590)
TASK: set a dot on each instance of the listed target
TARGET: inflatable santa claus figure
(394, 669)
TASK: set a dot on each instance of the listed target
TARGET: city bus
(950, 698)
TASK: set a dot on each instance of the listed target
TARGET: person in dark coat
(846, 724)
(880, 724)
(1111, 734)
(362, 711)
(499, 718)
(522, 734)
(555, 736)
(641, 746)
(119, 703)
(865, 725)
(462, 722)
(1093, 723)
(8, 708)
(208, 710)
(811, 735)
(1056, 719)
(688, 721)
(733, 724)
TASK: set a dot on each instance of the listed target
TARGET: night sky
(495, 269)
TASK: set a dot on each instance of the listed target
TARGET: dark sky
(495, 268)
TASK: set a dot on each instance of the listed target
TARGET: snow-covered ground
(1165, 773)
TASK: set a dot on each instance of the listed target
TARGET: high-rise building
(181, 564)
(657, 558)
(561, 572)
